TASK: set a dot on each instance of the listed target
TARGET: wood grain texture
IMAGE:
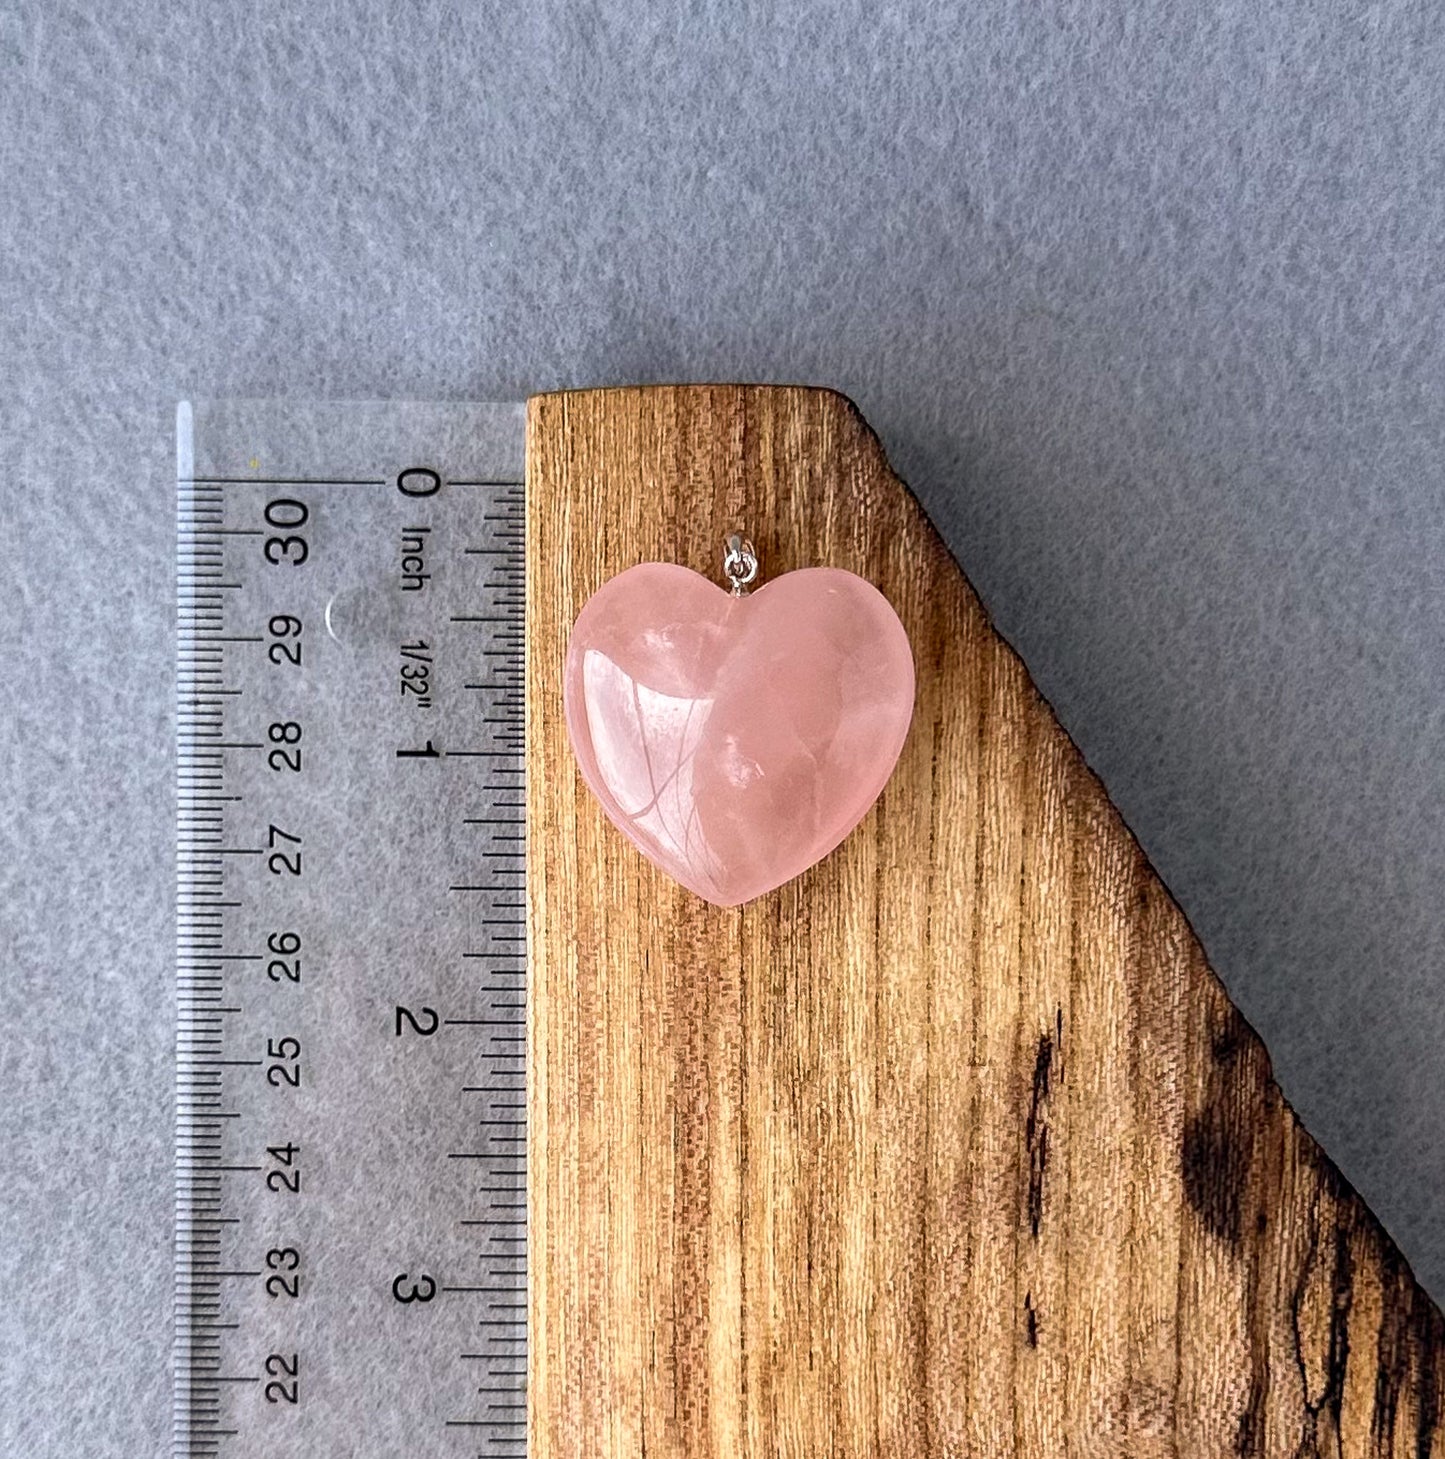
(953, 1146)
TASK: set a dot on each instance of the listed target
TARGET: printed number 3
(422, 1290)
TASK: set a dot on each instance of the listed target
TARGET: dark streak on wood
(1036, 1129)
(1230, 1038)
(1308, 1445)
(1214, 1171)
(1249, 1439)
(1218, 1147)
(1250, 1435)
(1330, 1400)
(1392, 1354)
(1031, 1322)
(1429, 1327)
(1342, 1292)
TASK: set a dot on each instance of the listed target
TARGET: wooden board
(953, 1146)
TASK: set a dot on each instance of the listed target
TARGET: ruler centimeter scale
(351, 932)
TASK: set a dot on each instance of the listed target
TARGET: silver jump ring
(740, 563)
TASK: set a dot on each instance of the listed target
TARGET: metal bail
(740, 563)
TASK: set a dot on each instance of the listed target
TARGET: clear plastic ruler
(351, 929)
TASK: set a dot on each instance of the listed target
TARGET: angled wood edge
(955, 1145)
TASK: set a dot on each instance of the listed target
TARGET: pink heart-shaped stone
(736, 741)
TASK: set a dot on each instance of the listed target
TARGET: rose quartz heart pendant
(736, 740)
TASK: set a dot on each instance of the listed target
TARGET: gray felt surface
(1144, 299)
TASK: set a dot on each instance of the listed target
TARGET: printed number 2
(284, 1259)
(405, 1015)
(280, 1367)
(283, 863)
(286, 1068)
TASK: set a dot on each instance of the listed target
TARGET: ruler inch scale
(350, 1029)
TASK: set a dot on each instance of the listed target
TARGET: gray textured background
(1144, 299)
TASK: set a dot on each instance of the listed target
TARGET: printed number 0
(286, 512)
